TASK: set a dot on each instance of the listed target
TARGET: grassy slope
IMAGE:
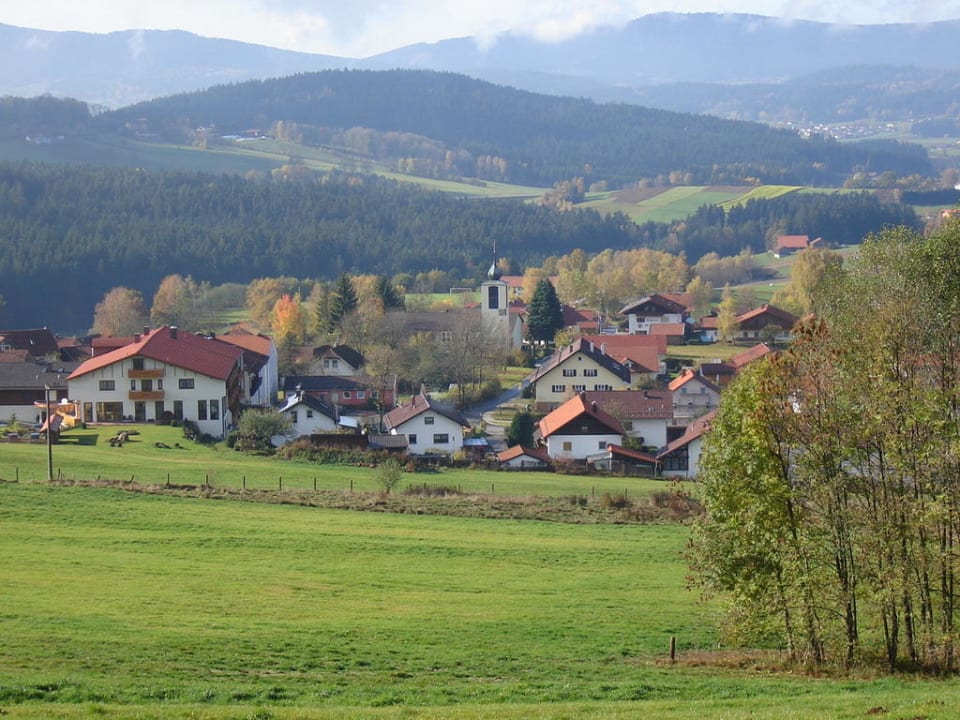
(127, 605)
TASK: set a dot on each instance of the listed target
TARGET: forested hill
(512, 135)
(68, 234)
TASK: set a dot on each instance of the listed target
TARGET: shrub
(389, 474)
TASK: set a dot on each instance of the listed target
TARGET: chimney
(136, 337)
(173, 332)
(593, 406)
(146, 330)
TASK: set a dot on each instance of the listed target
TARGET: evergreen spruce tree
(544, 314)
(344, 301)
(387, 292)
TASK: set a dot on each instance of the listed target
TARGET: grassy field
(124, 605)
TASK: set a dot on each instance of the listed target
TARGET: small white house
(307, 416)
(430, 428)
(578, 429)
(681, 458)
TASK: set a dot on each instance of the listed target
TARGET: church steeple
(494, 272)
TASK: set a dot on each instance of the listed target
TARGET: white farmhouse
(430, 428)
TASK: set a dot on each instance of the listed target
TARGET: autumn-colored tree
(572, 282)
(531, 277)
(120, 313)
(701, 294)
(176, 303)
(262, 295)
(727, 316)
(809, 268)
(289, 321)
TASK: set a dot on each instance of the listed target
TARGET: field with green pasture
(129, 605)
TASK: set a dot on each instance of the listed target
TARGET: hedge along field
(85, 454)
(130, 605)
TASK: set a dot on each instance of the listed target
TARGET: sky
(360, 28)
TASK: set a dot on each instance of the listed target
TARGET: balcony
(146, 374)
(146, 395)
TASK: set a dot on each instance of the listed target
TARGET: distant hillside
(440, 123)
(735, 60)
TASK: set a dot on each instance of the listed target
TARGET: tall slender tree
(544, 313)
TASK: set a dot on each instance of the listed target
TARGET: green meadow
(128, 605)
(125, 604)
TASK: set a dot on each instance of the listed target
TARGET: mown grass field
(125, 605)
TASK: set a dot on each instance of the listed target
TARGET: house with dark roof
(166, 374)
(721, 373)
(681, 457)
(652, 310)
(39, 342)
(24, 383)
(336, 359)
(755, 324)
(430, 428)
(308, 416)
(576, 368)
(351, 394)
(577, 429)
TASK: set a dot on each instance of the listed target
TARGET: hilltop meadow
(155, 604)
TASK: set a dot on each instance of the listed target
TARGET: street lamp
(46, 391)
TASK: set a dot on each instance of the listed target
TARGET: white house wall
(421, 434)
(86, 390)
(580, 446)
(548, 384)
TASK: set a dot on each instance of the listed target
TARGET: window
(178, 409)
(567, 446)
(429, 420)
(579, 388)
(703, 390)
(309, 413)
(133, 384)
(558, 388)
(445, 336)
(375, 394)
(683, 391)
(158, 409)
(214, 409)
(602, 386)
(441, 439)
(159, 384)
(293, 416)
(412, 439)
(201, 409)
(361, 395)
(589, 372)
(331, 363)
(602, 445)
(108, 385)
(493, 297)
(570, 373)
(185, 383)
(146, 385)
(138, 363)
(346, 395)
(628, 425)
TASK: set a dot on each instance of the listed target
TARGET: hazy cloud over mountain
(365, 27)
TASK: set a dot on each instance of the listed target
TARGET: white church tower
(495, 308)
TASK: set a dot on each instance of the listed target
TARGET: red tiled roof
(689, 375)
(519, 451)
(203, 355)
(770, 310)
(624, 344)
(668, 329)
(749, 355)
(793, 242)
(634, 404)
(248, 341)
(632, 454)
(709, 322)
(573, 409)
(14, 356)
(696, 429)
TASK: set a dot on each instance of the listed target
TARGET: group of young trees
(831, 475)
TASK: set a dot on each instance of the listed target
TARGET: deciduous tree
(120, 313)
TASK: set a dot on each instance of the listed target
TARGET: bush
(389, 474)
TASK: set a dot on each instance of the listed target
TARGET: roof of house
(655, 302)
(709, 322)
(308, 401)
(770, 310)
(749, 355)
(619, 450)
(418, 405)
(571, 410)
(30, 376)
(668, 329)
(17, 356)
(255, 342)
(682, 298)
(342, 352)
(634, 404)
(196, 353)
(383, 441)
(687, 376)
(517, 451)
(37, 341)
(792, 242)
(639, 352)
(694, 430)
(713, 369)
(591, 350)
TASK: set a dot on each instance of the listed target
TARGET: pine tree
(387, 292)
(544, 314)
(344, 300)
